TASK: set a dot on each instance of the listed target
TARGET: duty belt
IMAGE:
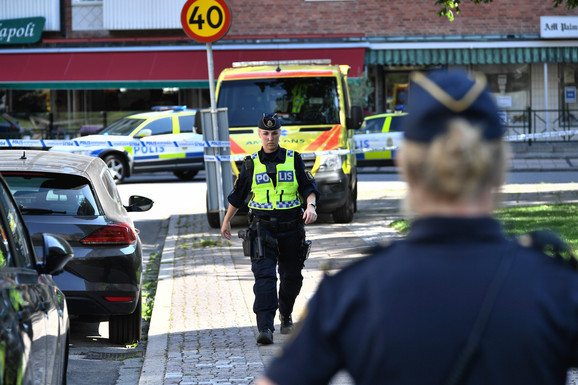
(273, 223)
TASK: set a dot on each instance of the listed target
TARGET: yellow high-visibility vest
(266, 196)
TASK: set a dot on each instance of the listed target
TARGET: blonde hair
(458, 165)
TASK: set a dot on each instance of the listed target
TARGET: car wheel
(186, 175)
(214, 218)
(117, 166)
(126, 329)
(344, 214)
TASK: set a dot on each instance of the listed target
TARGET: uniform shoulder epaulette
(549, 244)
(248, 161)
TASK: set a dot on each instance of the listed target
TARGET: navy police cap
(440, 96)
(269, 122)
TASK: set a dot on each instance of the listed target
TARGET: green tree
(451, 7)
(359, 90)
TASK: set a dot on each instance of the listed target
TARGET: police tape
(305, 155)
(541, 135)
(42, 143)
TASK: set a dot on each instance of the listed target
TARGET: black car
(34, 324)
(76, 197)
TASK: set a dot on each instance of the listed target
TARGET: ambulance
(312, 100)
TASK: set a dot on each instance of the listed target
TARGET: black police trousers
(286, 254)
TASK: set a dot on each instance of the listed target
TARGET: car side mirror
(137, 203)
(56, 254)
(355, 120)
(144, 133)
(198, 127)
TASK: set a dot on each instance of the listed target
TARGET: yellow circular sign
(206, 20)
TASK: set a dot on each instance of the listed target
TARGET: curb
(155, 359)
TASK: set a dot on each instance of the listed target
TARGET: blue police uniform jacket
(402, 315)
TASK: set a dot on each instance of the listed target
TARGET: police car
(379, 132)
(166, 124)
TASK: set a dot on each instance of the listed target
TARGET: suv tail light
(119, 234)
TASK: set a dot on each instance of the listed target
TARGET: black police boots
(286, 324)
(265, 337)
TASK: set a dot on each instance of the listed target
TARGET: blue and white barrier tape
(42, 143)
(541, 135)
(306, 155)
(90, 143)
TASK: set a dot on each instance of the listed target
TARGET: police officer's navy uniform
(420, 297)
(279, 182)
(405, 314)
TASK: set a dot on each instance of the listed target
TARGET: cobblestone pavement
(203, 328)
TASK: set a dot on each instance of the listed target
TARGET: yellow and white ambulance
(312, 100)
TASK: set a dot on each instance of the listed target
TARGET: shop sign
(21, 31)
(559, 27)
(570, 94)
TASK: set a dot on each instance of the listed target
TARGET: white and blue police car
(164, 124)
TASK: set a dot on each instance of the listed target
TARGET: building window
(510, 84)
(568, 84)
(87, 15)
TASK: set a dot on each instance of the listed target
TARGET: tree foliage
(452, 7)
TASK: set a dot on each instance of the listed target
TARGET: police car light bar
(168, 108)
(240, 64)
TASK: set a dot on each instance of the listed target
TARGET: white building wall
(142, 14)
(49, 9)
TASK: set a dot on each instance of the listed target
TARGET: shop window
(510, 84)
(569, 108)
(396, 89)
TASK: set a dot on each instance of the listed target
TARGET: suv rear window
(52, 194)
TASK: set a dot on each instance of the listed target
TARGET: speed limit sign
(206, 20)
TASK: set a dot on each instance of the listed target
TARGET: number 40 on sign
(206, 20)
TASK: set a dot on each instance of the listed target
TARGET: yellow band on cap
(447, 100)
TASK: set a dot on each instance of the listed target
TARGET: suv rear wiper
(39, 211)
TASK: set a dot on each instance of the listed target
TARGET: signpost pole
(215, 121)
(207, 21)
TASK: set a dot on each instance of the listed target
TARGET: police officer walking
(456, 301)
(280, 187)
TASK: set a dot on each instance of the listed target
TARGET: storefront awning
(464, 56)
(145, 69)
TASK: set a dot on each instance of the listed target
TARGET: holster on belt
(247, 237)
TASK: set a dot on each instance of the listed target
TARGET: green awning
(465, 56)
